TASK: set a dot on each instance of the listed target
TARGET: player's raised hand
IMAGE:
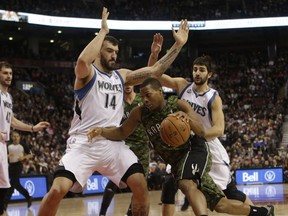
(105, 15)
(157, 43)
(181, 36)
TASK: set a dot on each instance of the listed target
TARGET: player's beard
(201, 81)
(107, 64)
(6, 83)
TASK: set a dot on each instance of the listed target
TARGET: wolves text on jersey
(109, 86)
(197, 108)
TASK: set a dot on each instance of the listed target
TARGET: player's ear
(210, 73)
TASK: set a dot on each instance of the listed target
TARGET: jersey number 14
(110, 102)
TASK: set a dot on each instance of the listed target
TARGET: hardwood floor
(276, 194)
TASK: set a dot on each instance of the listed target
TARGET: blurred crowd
(149, 9)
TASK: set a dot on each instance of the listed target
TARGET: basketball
(174, 132)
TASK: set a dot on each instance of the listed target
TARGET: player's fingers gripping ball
(174, 131)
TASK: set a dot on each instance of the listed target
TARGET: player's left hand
(181, 36)
(104, 25)
(157, 43)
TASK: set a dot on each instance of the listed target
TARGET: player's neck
(4, 89)
(200, 88)
(103, 69)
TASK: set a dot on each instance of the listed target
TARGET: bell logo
(92, 185)
(104, 182)
(269, 176)
(30, 187)
(250, 178)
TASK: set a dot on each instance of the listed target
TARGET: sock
(107, 197)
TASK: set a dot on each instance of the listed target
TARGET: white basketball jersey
(5, 113)
(99, 103)
(201, 104)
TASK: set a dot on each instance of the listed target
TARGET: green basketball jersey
(152, 121)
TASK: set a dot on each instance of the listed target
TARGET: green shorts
(196, 165)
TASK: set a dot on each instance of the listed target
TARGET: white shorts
(110, 158)
(4, 175)
(220, 170)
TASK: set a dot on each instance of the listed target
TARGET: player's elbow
(217, 130)
(220, 131)
(81, 60)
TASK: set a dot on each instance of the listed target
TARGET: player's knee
(57, 192)
(135, 179)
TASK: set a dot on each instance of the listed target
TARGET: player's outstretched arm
(19, 125)
(138, 76)
(176, 83)
(91, 51)
(118, 133)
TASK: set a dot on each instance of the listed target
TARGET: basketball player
(99, 102)
(138, 143)
(16, 156)
(208, 105)
(190, 161)
(7, 120)
(169, 187)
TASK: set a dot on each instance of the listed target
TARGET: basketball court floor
(275, 194)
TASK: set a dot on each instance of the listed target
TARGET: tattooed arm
(138, 76)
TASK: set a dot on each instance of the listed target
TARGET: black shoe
(29, 201)
(185, 206)
(270, 209)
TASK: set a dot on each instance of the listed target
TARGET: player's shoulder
(123, 72)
